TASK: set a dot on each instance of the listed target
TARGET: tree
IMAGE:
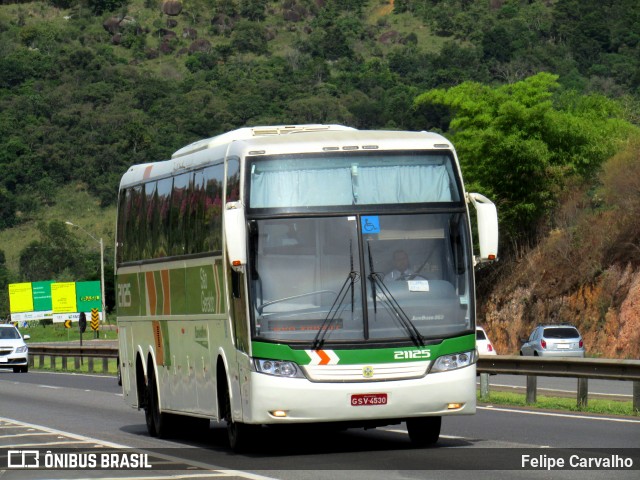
(101, 6)
(58, 255)
(5, 280)
(519, 142)
(250, 37)
(7, 208)
(253, 10)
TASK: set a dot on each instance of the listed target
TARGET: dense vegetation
(535, 94)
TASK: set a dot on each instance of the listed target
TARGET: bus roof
(284, 139)
(253, 132)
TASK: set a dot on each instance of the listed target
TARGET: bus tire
(424, 431)
(158, 423)
(240, 435)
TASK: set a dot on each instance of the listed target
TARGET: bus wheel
(239, 434)
(424, 431)
(158, 424)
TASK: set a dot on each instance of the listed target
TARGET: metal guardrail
(581, 368)
(600, 368)
(76, 352)
(533, 367)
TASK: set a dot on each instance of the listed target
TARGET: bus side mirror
(235, 235)
(487, 216)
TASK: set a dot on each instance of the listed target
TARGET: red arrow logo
(324, 358)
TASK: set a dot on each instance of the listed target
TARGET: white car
(14, 353)
(484, 345)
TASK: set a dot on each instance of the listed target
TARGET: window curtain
(342, 186)
(301, 188)
(403, 184)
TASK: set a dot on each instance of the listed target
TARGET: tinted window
(173, 216)
(178, 221)
(233, 180)
(561, 333)
(480, 335)
(150, 232)
(122, 209)
(9, 333)
(133, 220)
(162, 204)
(213, 182)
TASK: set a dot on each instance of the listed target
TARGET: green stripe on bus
(367, 355)
(191, 291)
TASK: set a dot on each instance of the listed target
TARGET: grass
(58, 333)
(596, 406)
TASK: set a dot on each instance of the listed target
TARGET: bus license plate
(368, 399)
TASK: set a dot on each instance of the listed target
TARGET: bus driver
(401, 268)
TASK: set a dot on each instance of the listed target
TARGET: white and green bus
(300, 274)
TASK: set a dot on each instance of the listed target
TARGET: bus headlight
(278, 368)
(454, 361)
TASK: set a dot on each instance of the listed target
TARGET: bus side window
(213, 181)
(198, 224)
(233, 180)
(179, 200)
(163, 203)
(123, 208)
(132, 229)
(150, 238)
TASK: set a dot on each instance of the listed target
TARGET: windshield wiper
(349, 284)
(392, 304)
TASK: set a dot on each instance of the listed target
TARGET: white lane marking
(45, 444)
(220, 473)
(103, 443)
(395, 430)
(49, 386)
(563, 415)
(35, 434)
(108, 376)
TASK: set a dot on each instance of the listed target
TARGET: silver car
(554, 341)
(14, 353)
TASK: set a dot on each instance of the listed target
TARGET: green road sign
(42, 296)
(88, 296)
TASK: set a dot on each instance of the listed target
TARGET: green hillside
(535, 94)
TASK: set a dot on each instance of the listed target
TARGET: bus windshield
(360, 277)
(359, 178)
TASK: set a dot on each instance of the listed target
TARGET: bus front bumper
(276, 400)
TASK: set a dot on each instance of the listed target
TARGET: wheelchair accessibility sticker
(371, 224)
